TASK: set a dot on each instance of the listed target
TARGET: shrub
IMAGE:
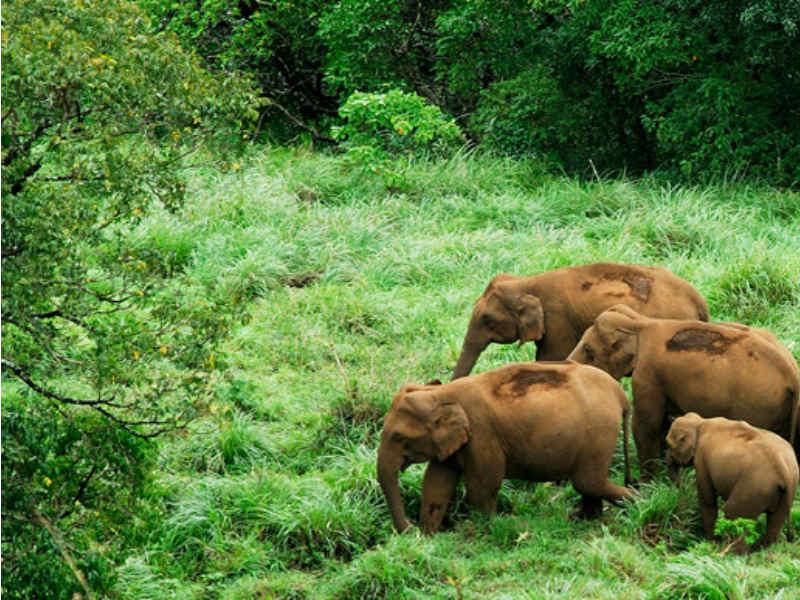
(395, 123)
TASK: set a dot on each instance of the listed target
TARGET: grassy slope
(347, 291)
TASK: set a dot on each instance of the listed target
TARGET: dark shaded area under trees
(697, 89)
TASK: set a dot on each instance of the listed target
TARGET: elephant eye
(398, 437)
(487, 319)
(589, 353)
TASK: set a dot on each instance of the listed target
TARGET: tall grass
(345, 291)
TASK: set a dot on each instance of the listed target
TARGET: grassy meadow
(346, 290)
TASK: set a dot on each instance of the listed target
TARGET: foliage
(106, 339)
(731, 529)
(273, 41)
(699, 89)
(713, 81)
(64, 467)
(378, 127)
(382, 44)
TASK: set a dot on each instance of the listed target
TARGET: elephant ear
(619, 317)
(531, 318)
(526, 309)
(618, 329)
(450, 428)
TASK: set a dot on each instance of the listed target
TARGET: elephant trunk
(470, 352)
(390, 461)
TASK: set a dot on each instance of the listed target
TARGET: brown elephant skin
(536, 421)
(753, 470)
(554, 308)
(714, 369)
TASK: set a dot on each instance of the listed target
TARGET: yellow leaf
(136, 355)
(47, 481)
(163, 350)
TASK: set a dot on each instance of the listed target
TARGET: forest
(232, 231)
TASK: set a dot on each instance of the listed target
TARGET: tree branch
(316, 134)
(58, 540)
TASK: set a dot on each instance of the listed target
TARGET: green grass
(345, 291)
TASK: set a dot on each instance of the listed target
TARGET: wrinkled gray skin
(554, 308)
(676, 366)
(753, 470)
(534, 421)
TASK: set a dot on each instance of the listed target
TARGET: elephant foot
(591, 508)
(761, 544)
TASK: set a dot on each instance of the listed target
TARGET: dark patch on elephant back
(700, 340)
(521, 380)
(640, 286)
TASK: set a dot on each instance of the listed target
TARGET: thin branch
(79, 494)
(58, 540)
(40, 340)
(317, 135)
(96, 404)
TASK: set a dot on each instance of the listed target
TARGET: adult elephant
(554, 308)
(534, 421)
(678, 366)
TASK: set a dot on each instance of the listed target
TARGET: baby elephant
(534, 421)
(754, 470)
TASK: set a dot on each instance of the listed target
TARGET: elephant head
(682, 438)
(504, 313)
(423, 424)
(611, 344)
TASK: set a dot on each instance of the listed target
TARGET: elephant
(554, 308)
(535, 421)
(677, 366)
(753, 470)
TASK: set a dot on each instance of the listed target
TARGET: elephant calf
(714, 369)
(534, 421)
(554, 308)
(753, 470)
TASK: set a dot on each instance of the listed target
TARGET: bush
(382, 126)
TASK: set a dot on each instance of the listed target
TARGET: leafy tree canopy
(103, 340)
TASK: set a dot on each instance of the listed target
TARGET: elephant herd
(722, 396)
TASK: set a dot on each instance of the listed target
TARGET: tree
(274, 41)
(105, 342)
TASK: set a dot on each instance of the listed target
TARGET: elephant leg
(648, 431)
(749, 504)
(775, 521)
(438, 485)
(706, 496)
(482, 483)
(591, 508)
(595, 489)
